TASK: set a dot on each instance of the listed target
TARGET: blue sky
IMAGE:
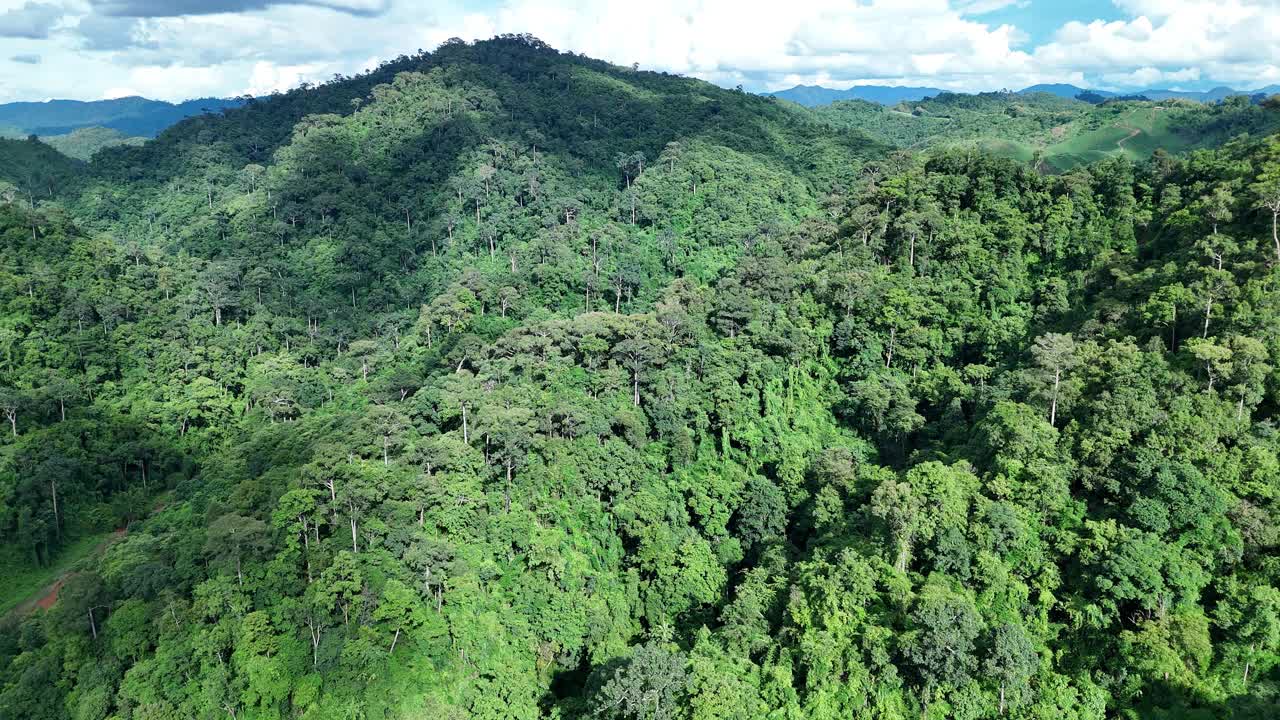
(1039, 19)
(178, 49)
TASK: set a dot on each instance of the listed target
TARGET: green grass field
(1135, 133)
(23, 583)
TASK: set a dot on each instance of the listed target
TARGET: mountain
(814, 96)
(817, 96)
(1064, 91)
(1217, 94)
(500, 382)
(133, 116)
(1062, 133)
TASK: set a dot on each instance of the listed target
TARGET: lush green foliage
(36, 171)
(501, 383)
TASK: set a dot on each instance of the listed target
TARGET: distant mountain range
(132, 116)
(814, 95)
(1215, 95)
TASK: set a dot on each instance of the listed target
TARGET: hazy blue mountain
(1215, 95)
(133, 116)
(1061, 90)
(814, 95)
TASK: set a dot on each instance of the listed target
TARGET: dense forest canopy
(506, 383)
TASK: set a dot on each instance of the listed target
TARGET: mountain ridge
(818, 96)
(133, 115)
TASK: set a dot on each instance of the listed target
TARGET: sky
(180, 49)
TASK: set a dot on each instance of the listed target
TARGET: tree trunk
(354, 548)
(53, 490)
(1208, 310)
(394, 640)
(507, 494)
(1053, 406)
(315, 644)
(1275, 232)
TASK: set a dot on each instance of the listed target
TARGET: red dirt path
(50, 595)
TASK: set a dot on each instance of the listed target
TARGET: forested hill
(506, 383)
(1056, 133)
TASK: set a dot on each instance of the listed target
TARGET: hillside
(83, 143)
(37, 170)
(1062, 133)
(500, 382)
(815, 96)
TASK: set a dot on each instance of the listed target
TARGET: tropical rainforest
(500, 382)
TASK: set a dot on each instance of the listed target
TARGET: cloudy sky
(180, 49)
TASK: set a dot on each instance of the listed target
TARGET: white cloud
(180, 48)
(1147, 77)
(769, 43)
(113, 93)
(266, 77)
(1227, 40)
(174, 8)
(32, 20)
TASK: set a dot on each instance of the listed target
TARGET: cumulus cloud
(227, 47)
(174, 8)
(102, 32)
(266, 78)
(767, 44)
(32, 20)
(1146, 77)
(1227, 40)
